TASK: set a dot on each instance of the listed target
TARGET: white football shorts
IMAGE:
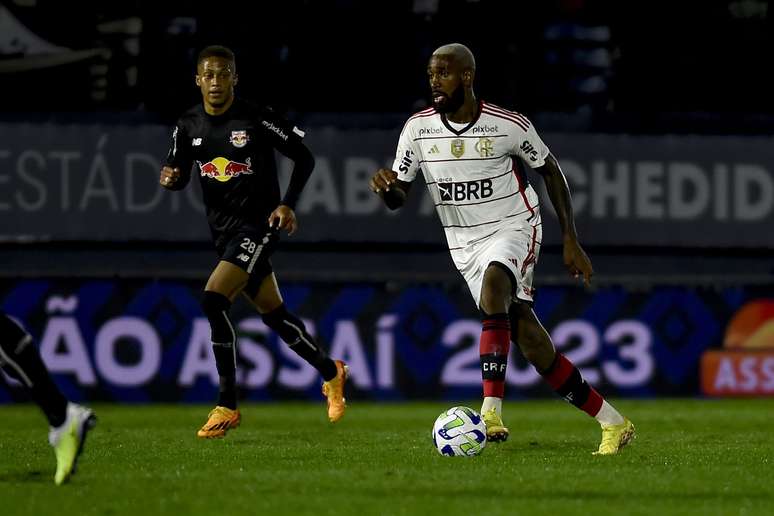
(517, 249)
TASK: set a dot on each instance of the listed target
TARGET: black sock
(20, 359)
(225, 362)
(292, 331)
(223, 338)
(227, 392)
(312, 353)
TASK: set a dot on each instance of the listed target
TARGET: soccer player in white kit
(466, 149)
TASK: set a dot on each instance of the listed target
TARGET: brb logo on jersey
(222, 169)
(466, 190)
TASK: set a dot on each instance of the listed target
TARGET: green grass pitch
(690, 457)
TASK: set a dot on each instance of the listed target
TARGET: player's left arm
(176, 172)
(288, 139)
(575, 258)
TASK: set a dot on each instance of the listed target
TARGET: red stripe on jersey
(522, 189)
(426, 110)
(510, 113)
(423, 113)
(505, 117)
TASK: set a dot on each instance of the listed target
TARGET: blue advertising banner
(145, 341)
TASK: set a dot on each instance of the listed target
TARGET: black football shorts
(250, 250)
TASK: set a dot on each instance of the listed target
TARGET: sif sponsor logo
(222, 169)
(529, 150)
(406, 161)
(745, 365)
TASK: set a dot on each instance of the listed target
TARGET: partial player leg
(69, 423)
(20, 360)
(268, 301)
(494, 346)
(225, 282)
(565, 379)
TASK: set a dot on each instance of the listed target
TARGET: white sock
(491, 401)
(55, 433)
(608, 415)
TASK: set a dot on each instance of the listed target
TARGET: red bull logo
(222, 169)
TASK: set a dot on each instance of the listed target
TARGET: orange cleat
(334, 391)
(219, 421)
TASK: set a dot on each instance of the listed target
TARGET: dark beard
(453, 103)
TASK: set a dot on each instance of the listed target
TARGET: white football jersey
(473, 178)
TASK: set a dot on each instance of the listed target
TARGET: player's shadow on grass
(514, 447)
(24, 477)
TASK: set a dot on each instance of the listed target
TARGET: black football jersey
(233, 155)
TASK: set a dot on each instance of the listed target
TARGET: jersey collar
(471, 124)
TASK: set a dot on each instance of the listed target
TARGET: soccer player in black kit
(68, 422)
(230, 145)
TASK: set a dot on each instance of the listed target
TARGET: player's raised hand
(383, 180)
(169, 176)
(576, 261)
(283, 217)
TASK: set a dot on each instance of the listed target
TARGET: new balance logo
(433, 150)
(196, 142)
(243, 257)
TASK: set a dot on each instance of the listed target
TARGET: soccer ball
(459, 431)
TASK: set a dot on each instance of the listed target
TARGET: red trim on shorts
(530, 259)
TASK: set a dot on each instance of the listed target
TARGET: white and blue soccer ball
(459, 431)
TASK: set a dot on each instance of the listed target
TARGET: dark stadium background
(661, 113)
